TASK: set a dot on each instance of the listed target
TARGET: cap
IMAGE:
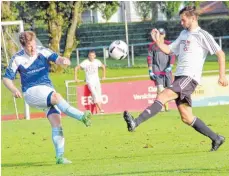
(161, 30)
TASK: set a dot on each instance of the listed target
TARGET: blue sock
(69, 110)
(58, 140)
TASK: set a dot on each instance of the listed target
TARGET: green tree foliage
(226, 3)
(193, 3)
(144, 9)
(108, 9)
(59, 17)
(170, 8)
(54, 15)
(154, 6)
(8, 13)
(71, 41)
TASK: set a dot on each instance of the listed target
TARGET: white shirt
(91, 70)
(192, 49)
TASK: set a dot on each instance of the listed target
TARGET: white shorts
(96, 92)
(37, 97)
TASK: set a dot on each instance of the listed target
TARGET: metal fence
(137, 52)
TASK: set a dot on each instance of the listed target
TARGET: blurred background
(72, 28)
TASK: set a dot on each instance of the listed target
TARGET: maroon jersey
(158, 60)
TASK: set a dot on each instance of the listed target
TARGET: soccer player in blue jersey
(32, 62)
(191, 47)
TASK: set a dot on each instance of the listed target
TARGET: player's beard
(188, 27)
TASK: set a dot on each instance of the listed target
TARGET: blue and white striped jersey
(33, 70)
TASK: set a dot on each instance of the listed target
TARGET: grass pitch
(161, 146)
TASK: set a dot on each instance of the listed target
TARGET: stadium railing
(137, 53)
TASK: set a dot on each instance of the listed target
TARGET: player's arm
(222, 68)
(150, 57)
(9, 76)
(10, 85)
(104, 71)
(76, 72)
(156, 37)
(63, 61)
(210, 44)
(54, 57)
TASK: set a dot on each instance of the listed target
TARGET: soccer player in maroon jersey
(160, 65)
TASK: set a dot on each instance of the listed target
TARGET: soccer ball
(118, 49)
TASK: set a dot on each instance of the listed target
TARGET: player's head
(162, 32)
(28, 42)
(91, 55)
(189, 16)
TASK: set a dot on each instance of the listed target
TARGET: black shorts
(165, 80)
(184, 86)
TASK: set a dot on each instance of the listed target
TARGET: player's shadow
(29, 164)
(172, 171)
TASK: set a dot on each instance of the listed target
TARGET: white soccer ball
(118, 49)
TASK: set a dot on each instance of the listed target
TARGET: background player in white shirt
(192, 47)
(90, 67)
(32, 62)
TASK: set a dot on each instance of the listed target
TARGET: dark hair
(189, 11)
(91, 51)
(27, 36)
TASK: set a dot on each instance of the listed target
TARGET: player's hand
(223, 81)
(103, 78)
(152, 76)
(155, 35)
(17, 94)
(66, 61)
(168, 69)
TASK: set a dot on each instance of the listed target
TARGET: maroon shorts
(184, 86)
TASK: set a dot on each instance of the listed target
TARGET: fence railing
(137, 53)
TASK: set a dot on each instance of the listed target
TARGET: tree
(226, 3)
(61, 17)
(170, 8)
(193, 3)
(108, 9)
(9, 13)
(144, 8)
(71, 41)
(154, 6)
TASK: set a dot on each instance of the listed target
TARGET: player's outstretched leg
(131, 125)
(217, 143)
(56, 99)
(200, 126)
(145, 115)
(86, 119)
(66, 108)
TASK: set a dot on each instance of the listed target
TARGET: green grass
(161, 146)
(58, 79)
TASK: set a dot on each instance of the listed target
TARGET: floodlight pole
(127, 38)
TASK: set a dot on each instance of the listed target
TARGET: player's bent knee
(187, 119)
(55, 98)
(166, 95)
